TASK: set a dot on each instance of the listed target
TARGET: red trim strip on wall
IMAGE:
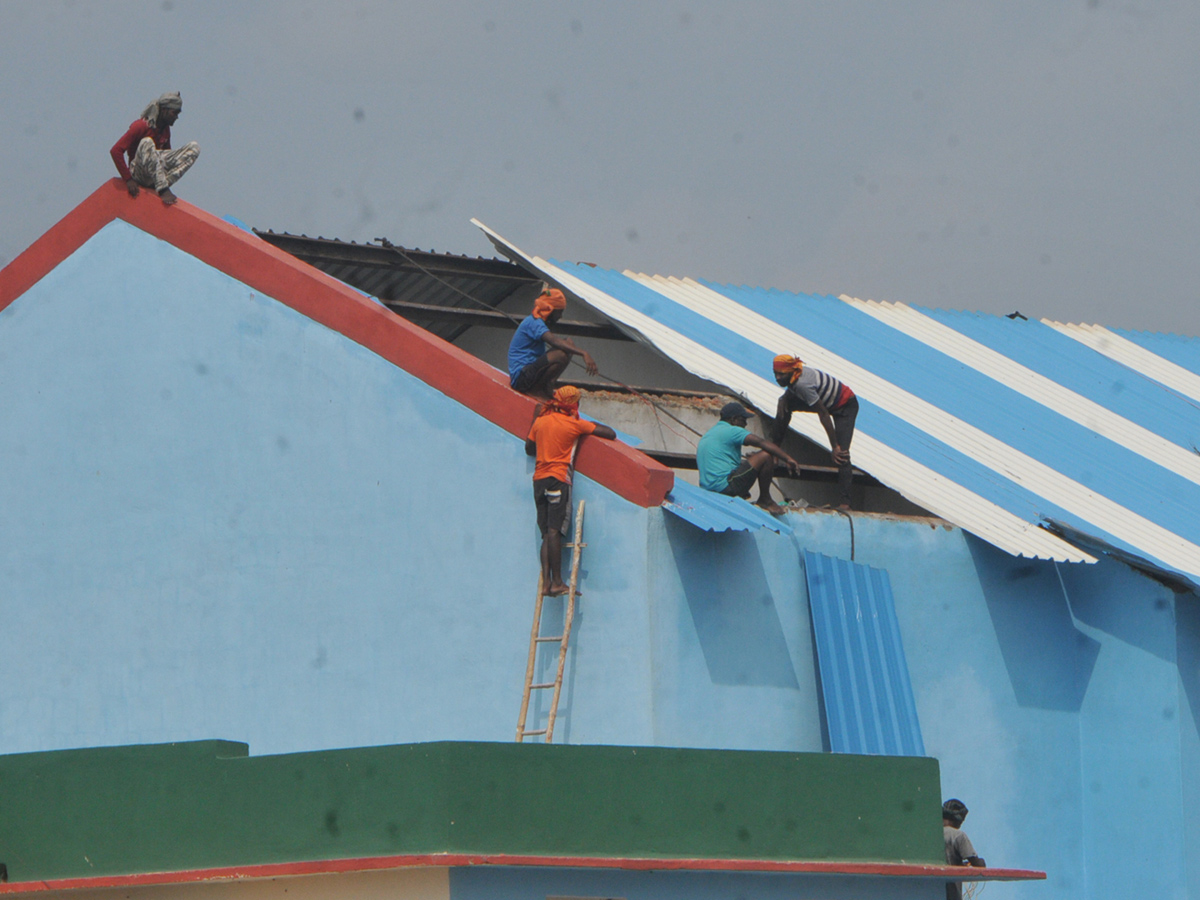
(452, 860)
(324, 299)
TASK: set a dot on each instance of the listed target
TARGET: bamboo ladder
(535, 639)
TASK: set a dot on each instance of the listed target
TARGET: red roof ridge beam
(454, 860)
(322, 298)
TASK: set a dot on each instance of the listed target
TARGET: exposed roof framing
(441, 292)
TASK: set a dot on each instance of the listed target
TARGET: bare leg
(764, 463)
(545, 386)
(552, 547)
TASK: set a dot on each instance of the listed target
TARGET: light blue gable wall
(1187, 617)
(1130, 769)
(222, 519)
(733, 654)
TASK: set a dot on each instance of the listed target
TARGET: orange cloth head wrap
(790, 364)
(566, 401)
(547, 302)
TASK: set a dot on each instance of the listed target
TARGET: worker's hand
(841, 457)
(793, 467)
(132, 187)
(590, 363)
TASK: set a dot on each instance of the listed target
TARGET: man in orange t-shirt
(553, 439)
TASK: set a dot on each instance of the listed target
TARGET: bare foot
(773, 508)
(168, 198)
(557, 590)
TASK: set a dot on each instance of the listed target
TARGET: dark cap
(954, 810)
(733, 410)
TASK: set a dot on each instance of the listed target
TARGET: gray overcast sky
(1005, 155)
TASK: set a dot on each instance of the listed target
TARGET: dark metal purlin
(316, 251)
(426, 312)
(808, 472)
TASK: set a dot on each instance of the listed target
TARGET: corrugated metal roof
(869, 705)
(418, 278)
(998, 425)
(1151, 355)
(716, 512)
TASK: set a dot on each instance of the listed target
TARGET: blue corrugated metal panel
(995, 408)
(1128, 392)
(996, 434)
(968, 396)
(1096, 463)
(869, 706)
(716, 512)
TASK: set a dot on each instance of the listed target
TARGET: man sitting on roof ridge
(532, 369)
(147, 145)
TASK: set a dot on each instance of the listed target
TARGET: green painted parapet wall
(176, 807)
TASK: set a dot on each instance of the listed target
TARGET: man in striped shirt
(810, 390)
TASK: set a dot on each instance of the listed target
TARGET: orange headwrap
(566, 401)
(547, 302)
(785, 363)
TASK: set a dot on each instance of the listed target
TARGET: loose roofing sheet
(1001, 426)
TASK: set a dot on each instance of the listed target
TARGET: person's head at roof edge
(786, 368)
(733, 411)
(549, 305)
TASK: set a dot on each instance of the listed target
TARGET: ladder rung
(528, 733)
(545, 640)
(539, 687)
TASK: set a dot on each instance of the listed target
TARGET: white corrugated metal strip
(918, 483)
(1138, 358)
(1034, 385)
(1018, 467)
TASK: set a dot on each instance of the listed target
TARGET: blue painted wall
(734, 664)
(221, 519)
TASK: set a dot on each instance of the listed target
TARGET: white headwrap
(166, 101)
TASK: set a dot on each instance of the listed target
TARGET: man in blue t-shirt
(722, 469)
(532, 369)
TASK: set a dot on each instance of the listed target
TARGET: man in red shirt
(147, 146)
(553, 439)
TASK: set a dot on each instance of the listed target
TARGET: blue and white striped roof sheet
(997, 425)
(1169, 359)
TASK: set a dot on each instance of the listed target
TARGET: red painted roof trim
(453, 860)
(254, 262)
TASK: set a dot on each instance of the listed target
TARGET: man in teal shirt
(722, 469)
